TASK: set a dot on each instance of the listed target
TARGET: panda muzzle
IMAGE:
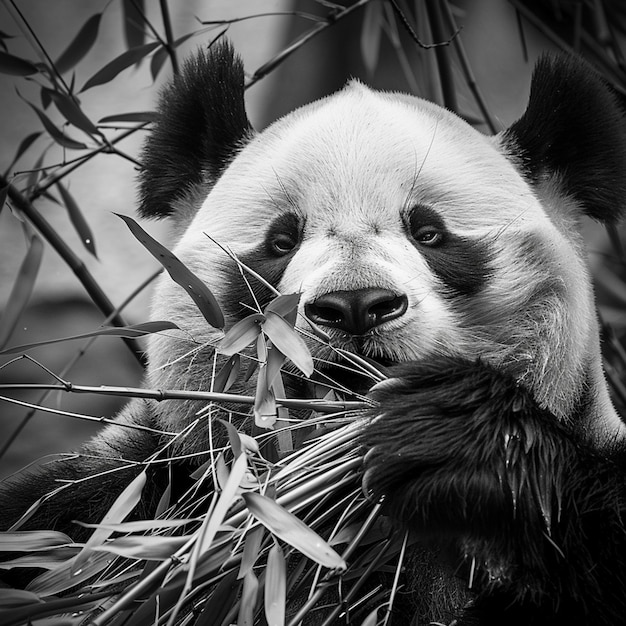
(356, 312)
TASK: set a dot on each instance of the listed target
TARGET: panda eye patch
(461, 263)
(283, 235)
(428, 236)
(426, 227)
(283, 243)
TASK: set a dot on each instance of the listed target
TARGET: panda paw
(460, 453)
(460, 447)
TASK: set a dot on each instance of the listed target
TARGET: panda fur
(416, 241)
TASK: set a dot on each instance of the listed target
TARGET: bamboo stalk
(169, 36)
(322, 406)
(75, 263)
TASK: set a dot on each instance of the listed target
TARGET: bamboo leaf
(80, 45)
(199, 473)
(17, 597)
(43, 559)
(197, 290)
(30, 511)
(251, 549)
(220, 602)
(66, 576)
(46, 100)
(15, 66)
(29, 540)
(71, 111)
(241, 335)
(249, 595)
(371, 619)
(275, 360)
(78, 220)
(233, 437)
(166, 497)
(249, 444)
(239, 442)
(221, 471)
(157, 62)
(229, 493)
(119, 63)
(292, 530)
(345, 535)
(160, 56)
(26, 143)
(141, 525)
(287, 340)
(227, 375)
(261, 348)
(152, 548)
(37, 171)
(275, 587)
(134, 22)
(253, 364)
(265, 413)
(139, 116)
(4, 192)
(286, 306)
(58, 135)
(131, 332)
(284, 436)
(22, 290)
(120, 509)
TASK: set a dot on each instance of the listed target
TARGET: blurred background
(79, 79)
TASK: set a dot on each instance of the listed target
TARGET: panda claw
(385, 385)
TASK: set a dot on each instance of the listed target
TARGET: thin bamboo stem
(169, 35)
(75, 263)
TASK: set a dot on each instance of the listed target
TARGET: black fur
(90, 498)
(573, 127)
(267, 262)
(202, 123)
(463, 264)
(463, 455)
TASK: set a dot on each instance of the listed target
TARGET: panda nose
(356, 311)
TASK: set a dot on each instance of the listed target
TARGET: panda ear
(201, 124)
(573, 130)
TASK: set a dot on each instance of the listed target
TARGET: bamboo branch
(321, 406)
(332, 18)
(38, 47)
(75, 263)
(470, 79)
(169, 36)
(446, 78)
(105, 148)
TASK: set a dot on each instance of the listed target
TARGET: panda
(452, 260)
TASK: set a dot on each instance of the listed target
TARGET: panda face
(408, 234)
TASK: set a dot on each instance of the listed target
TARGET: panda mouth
(351, 376)
(348, 364)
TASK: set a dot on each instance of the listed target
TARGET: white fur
(350, 165)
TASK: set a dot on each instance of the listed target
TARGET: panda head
(407, 233)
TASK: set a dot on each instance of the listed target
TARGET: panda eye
(283, 243)
(425, 226)
(428, 236)
(283, 235)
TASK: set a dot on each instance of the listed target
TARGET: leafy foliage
(265, 532)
